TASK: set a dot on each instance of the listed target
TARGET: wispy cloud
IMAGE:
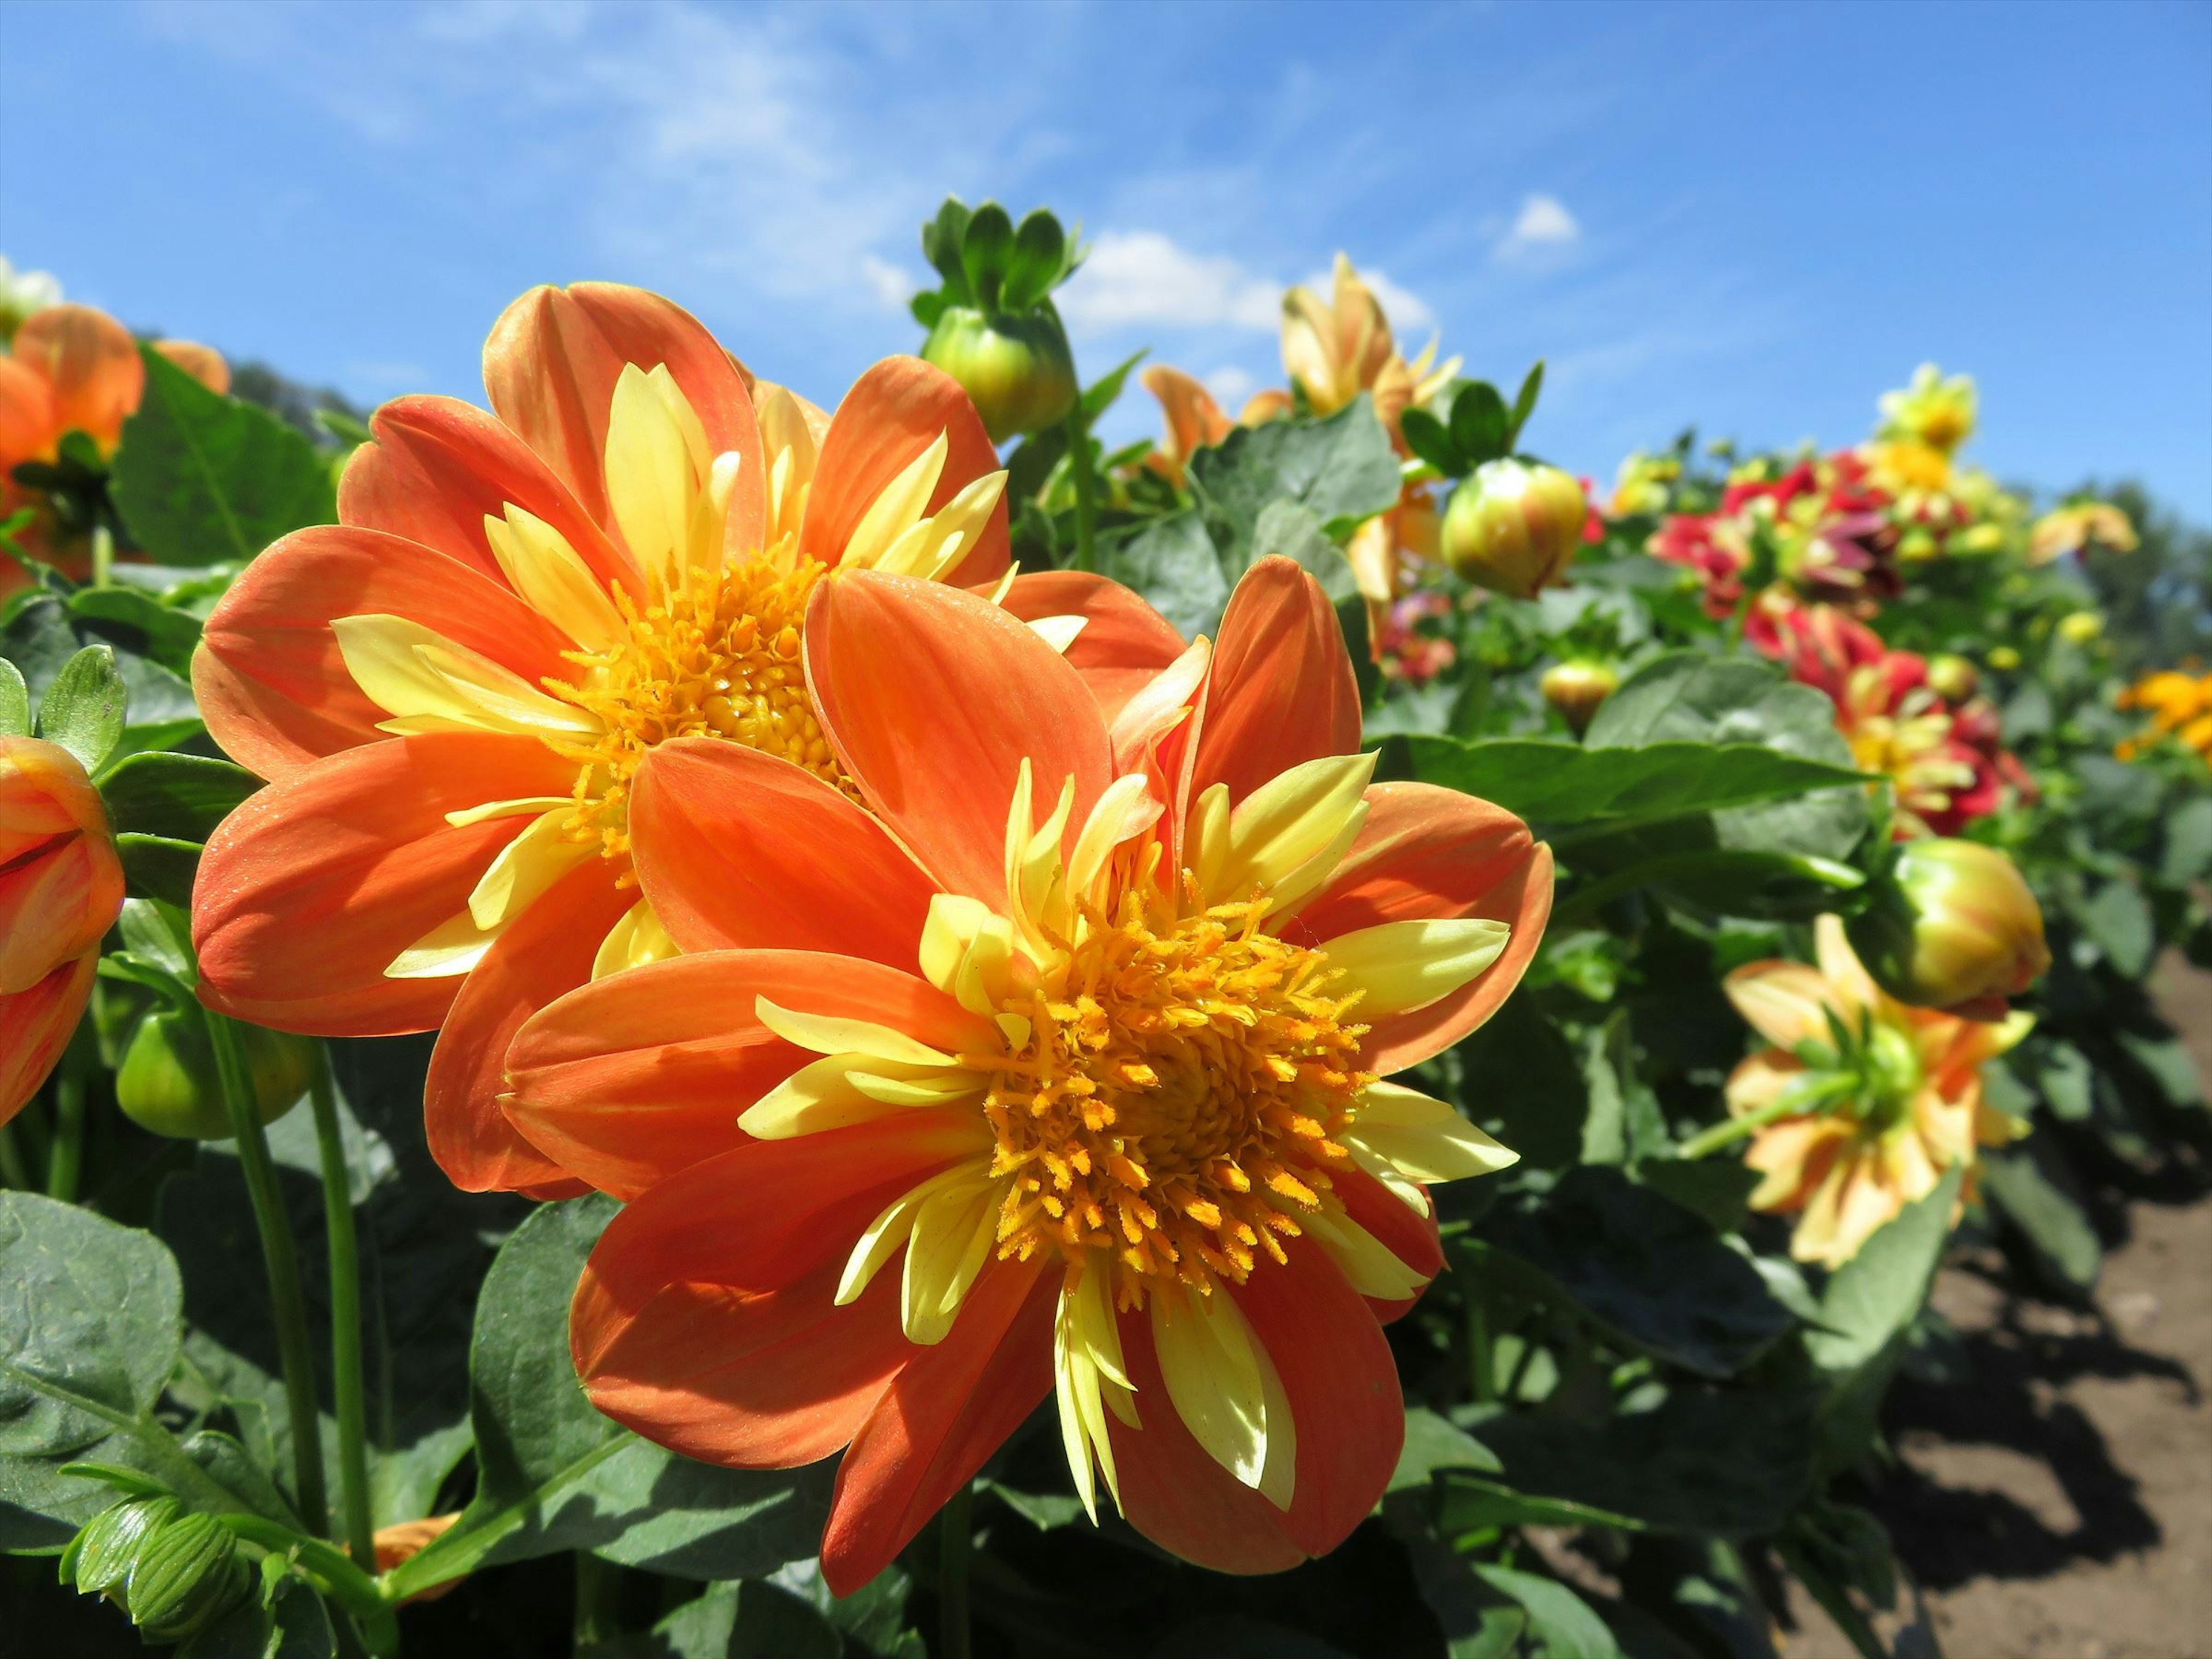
(1542, 229)
(1138, 278)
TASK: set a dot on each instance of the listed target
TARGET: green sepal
(83, 708)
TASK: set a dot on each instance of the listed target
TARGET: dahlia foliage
(924, 1035)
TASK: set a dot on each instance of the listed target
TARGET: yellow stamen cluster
(718, 656)
(1179, 1099)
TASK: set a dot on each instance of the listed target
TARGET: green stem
(597, 1582)
(345, 1319)
(103, 555)
(65, 1156)
(13, 1169)
(346, 1583)
(1481, 1360)
(1086, 488)
(287, 1308)
(1790, 1101)
(955, 1541)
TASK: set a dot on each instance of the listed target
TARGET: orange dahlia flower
(60, 890)
(1864, 1103)
(1195, 421)
(452, 689)
(2179, 705)
(1087, 1029)
(73, 368)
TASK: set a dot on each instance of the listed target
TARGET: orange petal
(947, 1410)
(27, 414)
(308, 891)
(638, 1076)
(1785, 1002)
(544, 953)
(203, 363)
(60, 885)
(1281, 691)
(933, 698)
(894, 412)
(35, 1026)
(437, 468)
(1174, 1493)
(1411, 1237)
(1429, 851)
(551, 364)
(736, 848)
(1124, 642)
(90, 362)
(272, 683)
(705, 1318)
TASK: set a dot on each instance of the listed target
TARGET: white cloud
(1142, 277)
(891, 285)
(1543, 227)
(1231, 386)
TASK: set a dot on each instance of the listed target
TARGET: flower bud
(2081, 627)
(1958, 929)
(1514, 528)
(99, 1560)
(168, 1083)
(1014, 366)
(1576, 690)
(61, 887)
(1952, 677)
(2003, 659)
(188, 1576)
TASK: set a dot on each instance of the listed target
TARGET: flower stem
(287, 1308)
(1736, 1128)
(955, 1541)
(65, 1154)
(103, 555)
(345, 1318)
(596, 1583)
(1086, 486)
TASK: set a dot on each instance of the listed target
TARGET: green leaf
(1524, 402)
(84, 707)
(293, 1625)
(1717, 1188)
(1563, 785)
(162, 633)
(986, 247)
(1648, 1270)
(2187, 856)
(1481, 429)
(1469, 1504)
(157, 868)
(1563, 1625)
(1873, 1296)
(1731, 1462)
(2119, 924)
(1430, 439)
(750, 1620)
(178, 797)
(201, 478)
(1039, 252)
(1340, 469)
(941, 244)
(2029, 1185)
(88, 1335)
(1433, 1444)
(1171, 561)
(15, 701)
(1288, 530)
(554, 1474)
(1100, 395)
(1523, 1084)
(41, 637)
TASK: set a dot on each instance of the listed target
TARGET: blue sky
(1752, 217)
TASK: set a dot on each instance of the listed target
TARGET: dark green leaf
(157, 868)
(83, 707)
(1648, 1270)
(2119, 923)
(42, 635)
(201, 478)
(2029, 1185)
(1523, 1084)
(750, 1620)
(986, 247)
(1040, 251)
(1563, 784)
(1468, 1503)
(179, 797)
(1561, 1622)
(1430, 439)
(293, 1625)
(1718, 1188)
(1172, 562)
(1340, 469)
(165, 635)
(1524, 401)
(1873, 1296)
(1481, 429)
(1292, 531)
(1432, 1444)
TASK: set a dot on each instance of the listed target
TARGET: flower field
(669, 1015)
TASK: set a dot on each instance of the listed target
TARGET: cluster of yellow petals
(2179, 705)
(1178, 1101)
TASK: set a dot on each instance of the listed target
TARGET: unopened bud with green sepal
(992, 324)
(1953, 926)
(1514, 527)
(168, 1082)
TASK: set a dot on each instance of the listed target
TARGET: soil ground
(2059, 1504)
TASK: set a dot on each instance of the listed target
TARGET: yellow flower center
(1179, 1098)
(716, 657)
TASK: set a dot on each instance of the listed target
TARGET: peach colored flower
(1195, 421)
(1084, 1032)
(452, 689)
(1863, 1104)
(60, 890)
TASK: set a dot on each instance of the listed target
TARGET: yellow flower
(2076, 526)
(1640, 486)
(1335, 349)
(1933, 411)
(1863, 1104)
(2179, 705)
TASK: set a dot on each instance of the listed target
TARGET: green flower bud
(188, 1576)
(1514, 528)
(1576, 690)
(99, 1558)
(1014, 366)
(1956, 929)
(168, 1083)
(1952, 677)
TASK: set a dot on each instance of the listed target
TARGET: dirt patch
(2054, 1500)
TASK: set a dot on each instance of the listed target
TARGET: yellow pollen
(716, 657)
(1180, 1099)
